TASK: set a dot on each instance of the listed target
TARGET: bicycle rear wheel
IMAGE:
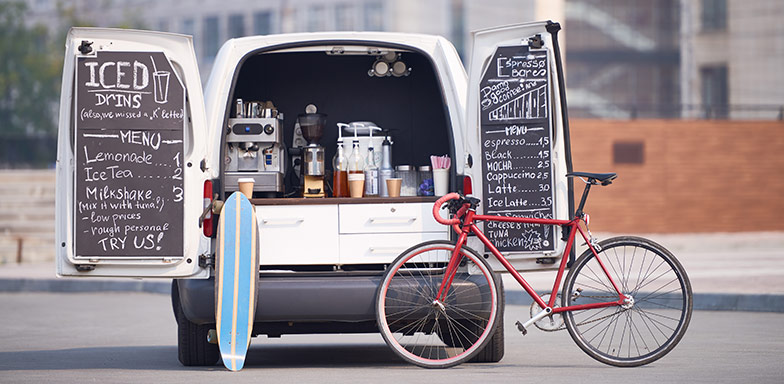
(432, 333)
(643, 330)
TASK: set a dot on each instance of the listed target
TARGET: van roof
(421, 41)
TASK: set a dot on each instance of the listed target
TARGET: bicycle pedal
(521, 328)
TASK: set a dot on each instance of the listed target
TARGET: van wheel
(493, 352)
(192, 346)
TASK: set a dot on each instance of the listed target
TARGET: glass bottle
(356, 171)
(340, 173)
(371, 172)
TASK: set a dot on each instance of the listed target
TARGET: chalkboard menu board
(516, 144)
(129, 120)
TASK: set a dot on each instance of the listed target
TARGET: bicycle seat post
(584, 198)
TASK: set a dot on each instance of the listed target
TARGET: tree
(30, 74)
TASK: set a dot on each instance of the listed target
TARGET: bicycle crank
(549, 323)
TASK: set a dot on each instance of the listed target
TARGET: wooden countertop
(343, 200)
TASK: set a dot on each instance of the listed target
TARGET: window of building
(714, 15)
(236, 26)
(262, 23)
(628, 152)
(344, 17)
(715, 93)
(211, 36)
(316, 18)
(374, 16)
(188, 27)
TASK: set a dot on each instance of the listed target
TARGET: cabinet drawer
(381, 249)
(292, 235)
(388, 218)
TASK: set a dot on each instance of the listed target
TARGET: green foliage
(30, 74)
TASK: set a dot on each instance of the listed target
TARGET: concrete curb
(702, 301)
(744, 302)
(83, 286)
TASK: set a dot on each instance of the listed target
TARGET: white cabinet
(388, 218)
(381, 248)
(378, 233)
(336, 234)
(296, 235)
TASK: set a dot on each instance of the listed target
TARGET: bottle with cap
(386, 171)
(356, 170)
(340, 172)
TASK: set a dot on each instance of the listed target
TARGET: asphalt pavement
(112, 337)
(728, 271)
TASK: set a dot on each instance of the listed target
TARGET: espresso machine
(313, 171)
(254, 148)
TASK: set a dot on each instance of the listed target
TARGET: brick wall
(695, 176)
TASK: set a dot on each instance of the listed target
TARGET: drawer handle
(291, 221)
(392, 220)
(387, 250)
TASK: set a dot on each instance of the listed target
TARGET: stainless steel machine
(312, 126)
(255, 148)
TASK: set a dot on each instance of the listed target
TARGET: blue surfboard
(236, 279)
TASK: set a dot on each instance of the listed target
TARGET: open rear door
(131, 147)
(514, 108)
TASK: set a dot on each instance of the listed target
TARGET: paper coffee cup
(441, 181)
(246, 186)
(393, 186)
(356, 187)
(356, 184)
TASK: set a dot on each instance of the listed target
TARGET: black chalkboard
(517, 140)
(129, 156)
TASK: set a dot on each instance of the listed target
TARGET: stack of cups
(441, 166)
(246, 186)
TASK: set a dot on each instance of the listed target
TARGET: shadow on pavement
(165, 358)
(321, 356)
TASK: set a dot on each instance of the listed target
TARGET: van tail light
(467, 189)
(207, 223)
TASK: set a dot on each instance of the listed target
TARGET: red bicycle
(626, 301)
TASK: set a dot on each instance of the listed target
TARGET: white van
(144, 155)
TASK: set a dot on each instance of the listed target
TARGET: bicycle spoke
(652, 323)
(429, 332)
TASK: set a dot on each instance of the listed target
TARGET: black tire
(493, 352)
(430, 333)
(192, 346)
(651, 325)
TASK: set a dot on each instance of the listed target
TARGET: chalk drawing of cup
(160, 81)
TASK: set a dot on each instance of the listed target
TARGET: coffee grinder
(312, 126)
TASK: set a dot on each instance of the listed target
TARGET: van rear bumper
(310, 298)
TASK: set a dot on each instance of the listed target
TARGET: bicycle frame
(468, 226)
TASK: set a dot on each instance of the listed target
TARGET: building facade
(732, 59)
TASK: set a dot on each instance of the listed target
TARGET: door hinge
(85, 267)
(535, 42)
(206, 261)
(85, 47)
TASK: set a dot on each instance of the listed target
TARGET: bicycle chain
(561, 328)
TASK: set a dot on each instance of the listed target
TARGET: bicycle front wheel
(657, 312)
(436, 333)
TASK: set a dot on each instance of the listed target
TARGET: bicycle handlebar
(437, 206)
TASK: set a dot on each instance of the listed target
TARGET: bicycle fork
(451, 270)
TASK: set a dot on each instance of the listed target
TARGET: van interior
(342, 85)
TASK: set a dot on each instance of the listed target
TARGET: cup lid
(424, 168)
(403, 167)
(246, 180)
